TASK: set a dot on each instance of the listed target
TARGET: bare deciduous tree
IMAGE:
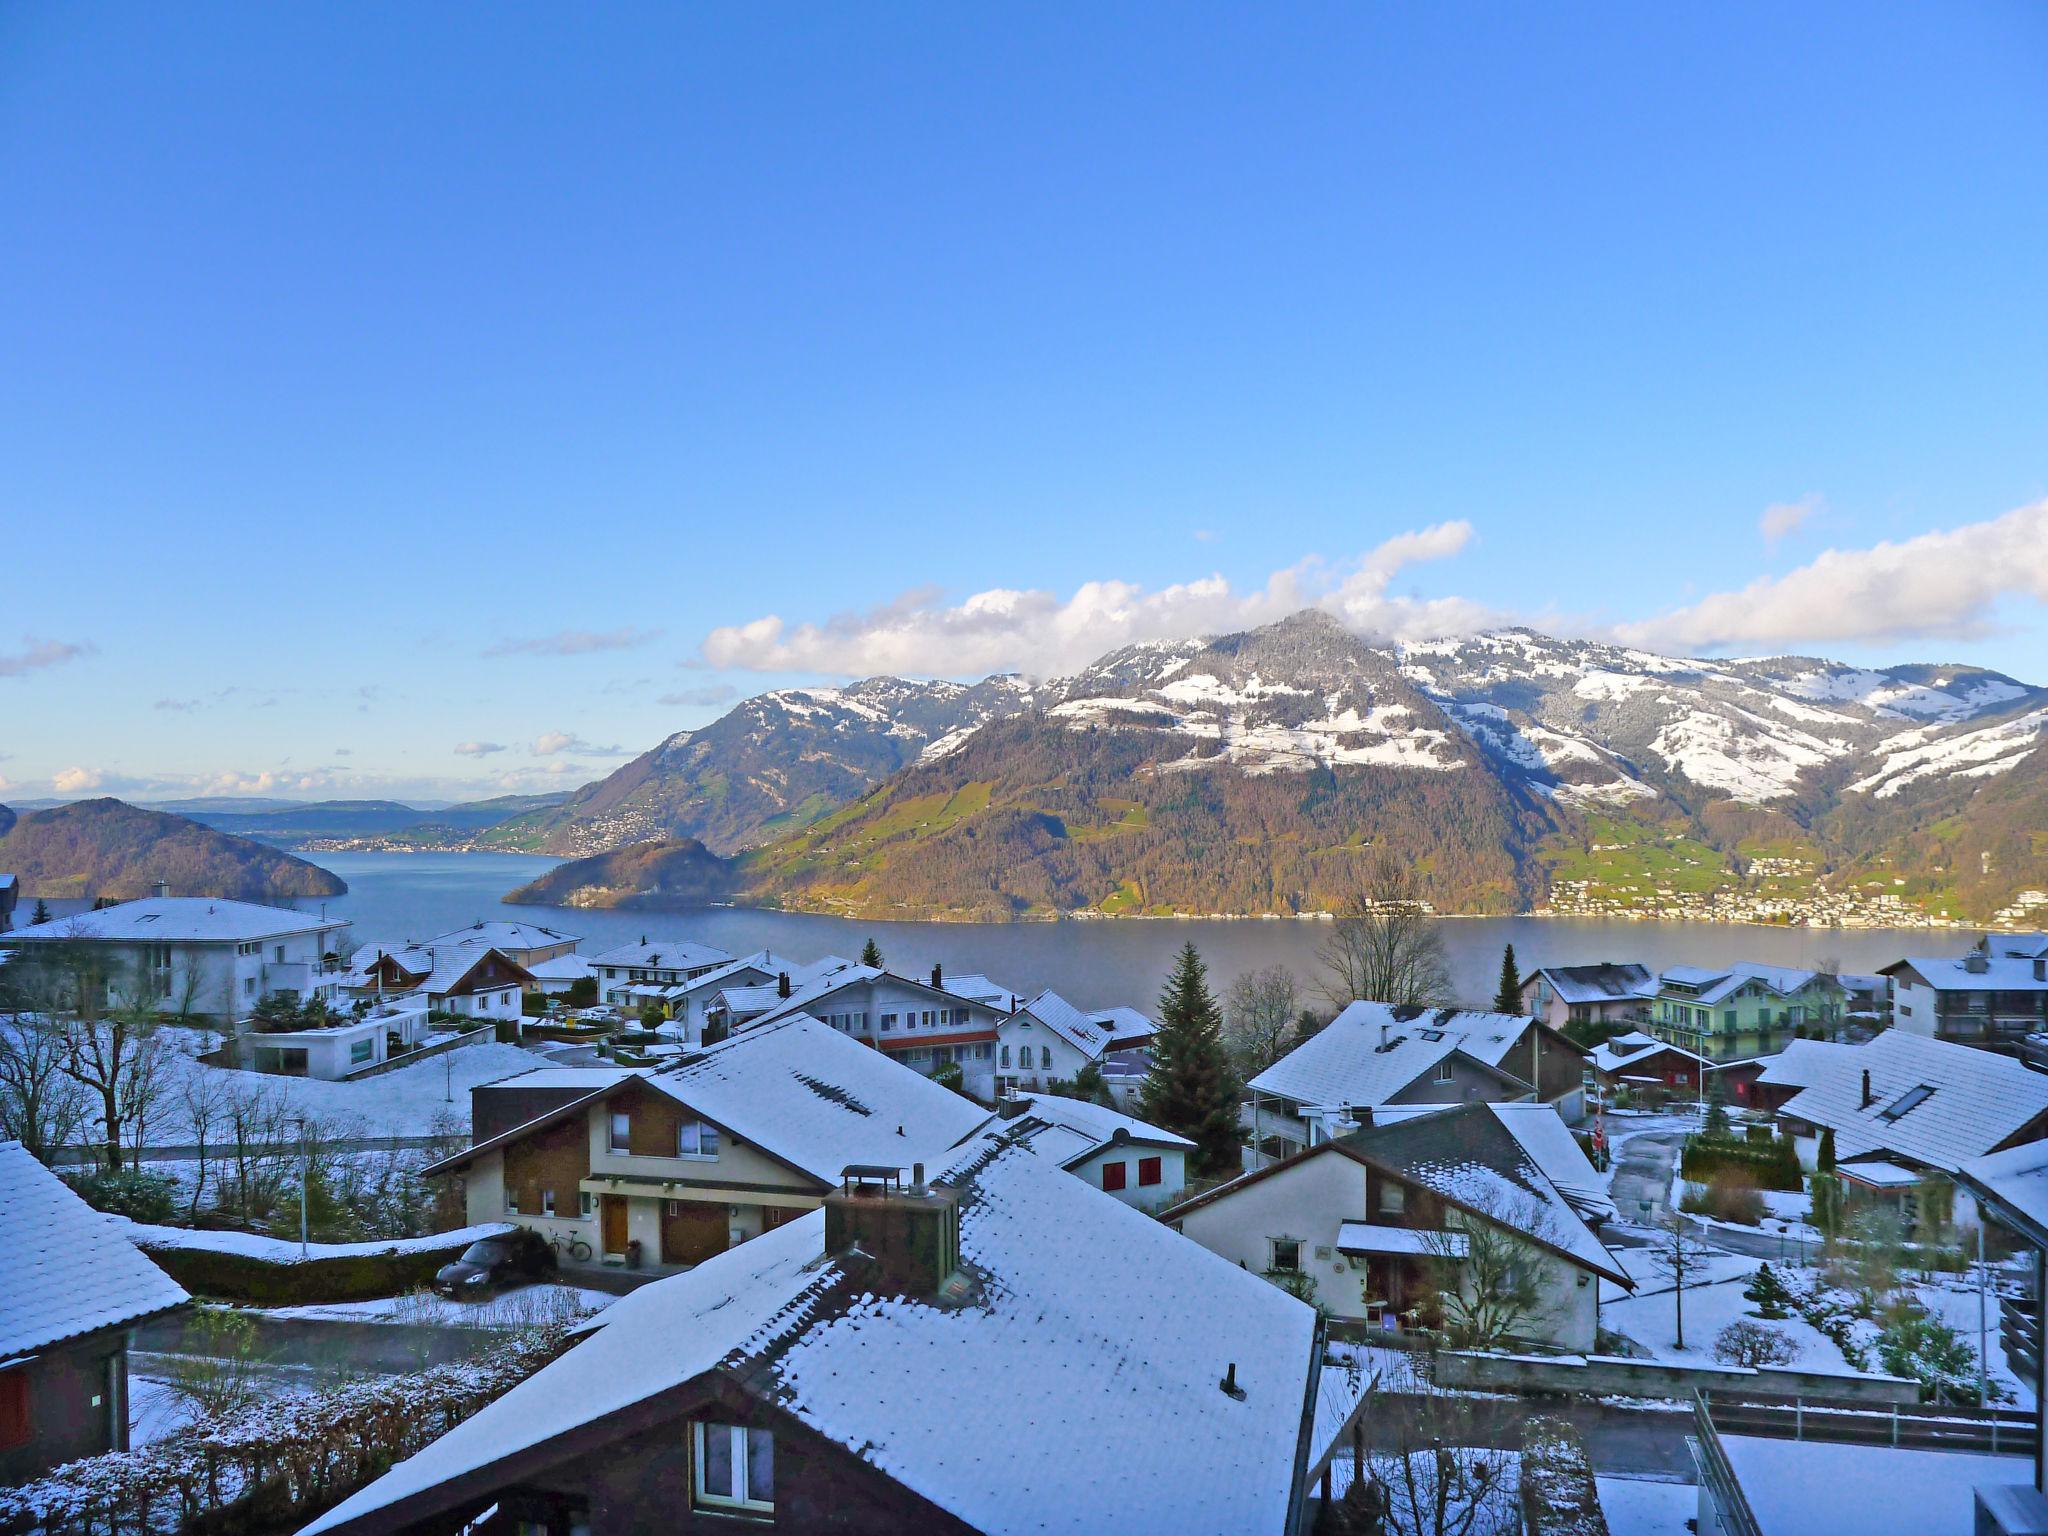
(1384, 945)
(1679, 1256)
(1490, 1271)
(41, 1105)
(1258, 1018)
(1422, 1469)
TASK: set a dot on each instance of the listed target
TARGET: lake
(398, 896)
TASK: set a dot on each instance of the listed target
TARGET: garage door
(691, 1231)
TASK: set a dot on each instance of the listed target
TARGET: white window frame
(547, 1202)
(705, 1133)
(1276, 1265)
(699, 1430)
(619, 1134)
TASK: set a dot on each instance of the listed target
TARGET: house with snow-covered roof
(738, 994)
(1141, 1164)
(202, 957)
(1741, 1011)
(1907, 1113)
(670, 1165)
(993, 1349)
(925, 1025)
(1048, 1040)
(1607, 993)
(655, 963)
(464, 981)
(75, 1286)
(1989, 998)
(1373, 1055)
(1377, 1219)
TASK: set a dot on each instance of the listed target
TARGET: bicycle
(578, 1249)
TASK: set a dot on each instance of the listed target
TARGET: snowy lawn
(1639, 1264)
(512, 1309)
(1635, 1506)
(1650, 1318)
(1954, 1300)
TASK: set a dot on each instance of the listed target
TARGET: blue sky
(382, 381)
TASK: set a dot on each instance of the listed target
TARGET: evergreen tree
(1191, 1088)
(1773, 1297)
(1717, 1106)
(871, 954)
(1824, 1156)
(42, 912)
(1307, 1025)
(1509, 998)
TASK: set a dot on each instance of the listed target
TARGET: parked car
(491, 1263)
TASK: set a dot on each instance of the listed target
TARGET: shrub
(1752, 1344)
(226, 1275)
(132, 1192)
(1933, 1354)
(1730, 1195)
(1774, 1166)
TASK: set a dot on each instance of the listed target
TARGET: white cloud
(75, 781)
(576, 642)
(38, 654)
(1785, 517)
(1005, 629)
(478, 748)
(1946, 583)
(551, 743)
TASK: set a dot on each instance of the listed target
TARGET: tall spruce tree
(1191, 1088)
(871, 954)
(1509, 998)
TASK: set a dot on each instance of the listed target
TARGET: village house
(205, 959)
(662, 963)
(1378, 1220)
(924, 1025)
(349, 1044)
(1000, 1350)
(1991, 997)
(1608, 993)
(525, 944)
(1740, 1011)
(1640, 1062)
(1140, 1164)
(1372, 1055)
(672, 1165)
(735, 995)
(1049, 1040)
(464, 981)
(1907, 1112)
(75, 1285)
(559, 976)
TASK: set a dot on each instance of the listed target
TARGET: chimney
(910, 1235)
(160, 888)
(1866, 1087)
(1383, 1036)
(1976, 962)
(1011, 1105)
(2041, 967)
(935, 976)
(782, 984)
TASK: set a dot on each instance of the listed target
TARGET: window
(1906, 1102)
(1287, 1255)
(696, 1139)
(511, 1200)
(1149, 1172)
(16, 1423)
(1443, 1071)
(248, 986)
(586, 1204)
(280, 954)
(1393, 1199)
(622, 1132)
(361, 1051)
(735, 1466)
(547, 1202)
(888, 1022)
(1113, 1175)
(1005, 1058)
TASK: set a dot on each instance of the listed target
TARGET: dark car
(491, 1263)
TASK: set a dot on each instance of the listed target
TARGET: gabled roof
(762, 962)
(1951, 973)
(501, 934)
(1090, 1127)
(1605, 983)
(1513, 1172)
(1370, 1052)
(662, 954)
(978, 988)
(2015, 1181)
(800, 1091)
(1712, 985)
(437, 971)
(1616, 1055)
(560, 968)
(1077, 1375)
(821, 991)
(1974, 1100)
(70, 1269)
(1090, 1033)
(178, 920)
(2024, 946)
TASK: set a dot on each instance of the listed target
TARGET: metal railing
(1718, 1477)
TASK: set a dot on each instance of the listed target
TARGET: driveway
(1642, 1176)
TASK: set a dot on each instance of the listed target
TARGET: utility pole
(305, 1180)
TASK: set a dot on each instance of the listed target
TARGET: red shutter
(1148, 1171)
(1113, 1175)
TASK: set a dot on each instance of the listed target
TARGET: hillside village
(673, 1233)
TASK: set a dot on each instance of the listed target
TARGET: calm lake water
(396, 896)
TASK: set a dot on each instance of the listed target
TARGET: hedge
(334, 1272)
(1774, 1167)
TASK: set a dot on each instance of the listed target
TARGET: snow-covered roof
(1370, 1052)
(662, 954)
(1604, 983)
(762, 962)
(1800, 1064)
(979, 988)
(2016, 1180)
(585, 1079)
(1613, 1056)
(817, 994)
(1033, 1402)
(501, 934)
(70, 1269)
(179, 920)
(807, 985)
(1873, 1490)
(1365, 1237)
(560, 968)
(1879, 1174)
(1931, 1103)
(1089, 1032)
(2025, 946)
(1999, 973)
(442, 969)
(1551, 1146)
(1095, 1126)
(1709, 985)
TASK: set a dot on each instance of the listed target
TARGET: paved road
(1642, 1176)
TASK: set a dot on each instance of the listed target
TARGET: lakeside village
(480, 1233)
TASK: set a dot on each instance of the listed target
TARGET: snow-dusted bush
(1753, 1344)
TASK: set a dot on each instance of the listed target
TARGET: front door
(612, 1208)
(691, 1231)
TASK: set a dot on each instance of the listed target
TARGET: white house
(556, 976)
(465, 982)
(349, 1045)
(1992, 999)
(1372, 1055)
(204, 957)
(1140, 1164)
(1375, 1218)
(1048, 1040)
(660, 963)
(924, 1025)
(526, 944)
(736, 994)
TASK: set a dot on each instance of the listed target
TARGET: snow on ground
(155, 1411)
(1650, 1318)
(1954, 1300)
(512, 1309)
(278, 1250)
(1639, 1264)
(1635, 1506)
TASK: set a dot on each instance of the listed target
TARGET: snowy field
(1638, 1507)
(1650, 1317)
